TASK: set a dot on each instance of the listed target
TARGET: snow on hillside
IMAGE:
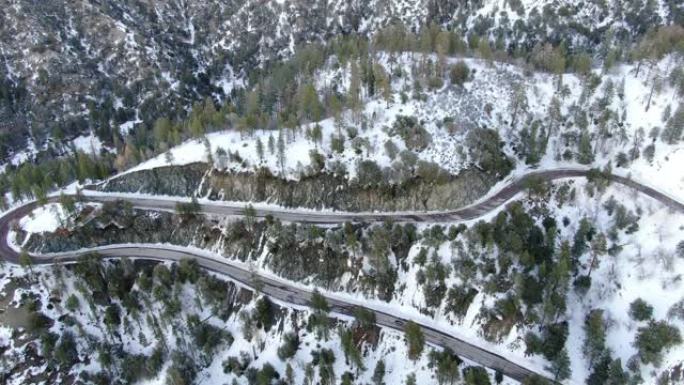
(89, 144)
(646, 268)
(449, 112)
(46, 218)
(260, 349)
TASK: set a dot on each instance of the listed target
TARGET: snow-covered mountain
(311, 107)
(69, 67)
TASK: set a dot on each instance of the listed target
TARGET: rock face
(133, 226)
(318, 191)
(170, 180)
(328, 191)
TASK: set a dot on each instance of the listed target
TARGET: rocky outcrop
(329, 191)
(130, 227)
(316, 191)
(169, 180)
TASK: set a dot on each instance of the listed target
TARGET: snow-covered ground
(646, 268)
(47, 218)
(138, 337)
(449, 112)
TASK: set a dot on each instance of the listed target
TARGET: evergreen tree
(414, 340)
(271, 144)
(585, 153)
(674, 128)
(25, 260)
(310, 107)
(351, 351)
(347, 379)
(447, 366)
(598, 248)
(640, 310)
(162, 132)
(289, 346)
(319, 317)
(653, 339)
(379, 373)
(316, 134)
(68, 203)
(281, 152)
(560, 366)
(355, 89)
(260, 150)
(459, 73)
(594, 336)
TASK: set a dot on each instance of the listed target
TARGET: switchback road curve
(472, 211)
(296, 295)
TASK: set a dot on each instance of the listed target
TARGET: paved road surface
(289, 293)
(472, 211)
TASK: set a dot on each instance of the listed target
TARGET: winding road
(290, 293)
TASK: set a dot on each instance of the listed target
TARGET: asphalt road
(295, 295)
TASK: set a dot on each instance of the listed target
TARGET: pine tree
(334, 105)
(379, 373)
(598, 247)
(674, 127)
(594, 336)
(485, 50)
(349, 348)
(347, 379)
(68, 202)
(289, 374)
(310, 107)
(161, 131)
(585, 153)
(308, 374)
(271, 144)
(518, 103)
(319, 319)
(448, 367)
(414, 340)
(384, 83)
(560, 366)
(355, 88)
(25, 261)
(281, 152)
(369, 77)
(196, 127)
(260, 150)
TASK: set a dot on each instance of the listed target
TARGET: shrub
(435, 82)
(72, 303)
(459, 299)
(459, 73)
(582, 284)
(653, 339)
(640, 310)
(486, 151)
(680, 249)
(263, 313)
(289, 347)
(368, 173)
(412, 132)
(65, 352)
(475, 375)
(337, 143)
